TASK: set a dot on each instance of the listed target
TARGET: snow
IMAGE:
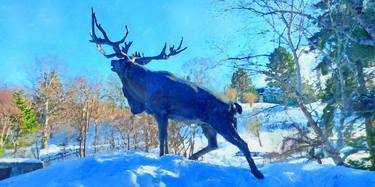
(221, 167)
(273, 114)
(52, 149)
(147, 169)
(19, 160)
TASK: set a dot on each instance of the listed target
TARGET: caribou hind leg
(232, 136)
(163, 133)
(166, 151)
(212, 142)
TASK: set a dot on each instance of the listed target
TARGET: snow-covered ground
(147, 169)
(221, 167)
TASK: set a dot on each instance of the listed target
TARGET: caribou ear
(238, 108)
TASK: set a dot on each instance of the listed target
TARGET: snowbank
(146, 169)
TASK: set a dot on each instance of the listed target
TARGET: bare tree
(288, 20)
(7, 110)
(149, 131)
(48, 99)
(254, 126)
(83, 103)
(201, 71)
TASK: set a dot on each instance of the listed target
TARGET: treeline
(92, 116)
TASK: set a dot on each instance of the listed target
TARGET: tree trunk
(8, 131)
(3, 131)
(343, 109)
(80, 139)
(15, 142)
(370, 137)
(45, 134)
(152, 132)
(260, 142)
(15, 149)
(146, 135)
(95, 143)
(135, 139)
(84, 139)
(128, 141)
(333, 153)
(44, 139)
(112, 140)
(311, 122)
(87, 126)
(130, 129)
(296, 58)
(192, 141)
(285, 102)
(370, 130)
(86, 129)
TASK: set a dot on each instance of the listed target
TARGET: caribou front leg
(212, 142)
(163, 133)
(232, 136)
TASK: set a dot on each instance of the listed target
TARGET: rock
(13, 167)
(5, 173)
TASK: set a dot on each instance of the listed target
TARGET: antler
(163, 55)
(119, 53)
(123, 51)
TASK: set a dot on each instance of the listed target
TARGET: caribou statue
(165, 96)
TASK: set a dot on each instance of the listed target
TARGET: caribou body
(167, 97)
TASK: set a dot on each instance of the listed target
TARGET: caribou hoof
(257, 174)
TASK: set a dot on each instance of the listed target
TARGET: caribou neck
(133, 81)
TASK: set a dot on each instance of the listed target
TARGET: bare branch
(247, 57)
(273, 12)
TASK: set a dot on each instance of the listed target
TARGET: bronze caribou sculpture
(167, 97)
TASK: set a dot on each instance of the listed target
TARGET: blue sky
(31, 30)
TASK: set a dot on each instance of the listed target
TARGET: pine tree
(243, 85)
(345, 57)
(281, 65)
(26, 122)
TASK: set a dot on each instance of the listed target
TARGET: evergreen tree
(345, 57)
(281, 68)
(243, 85)
(26, 121)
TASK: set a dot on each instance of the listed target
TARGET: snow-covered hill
(147, 169)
